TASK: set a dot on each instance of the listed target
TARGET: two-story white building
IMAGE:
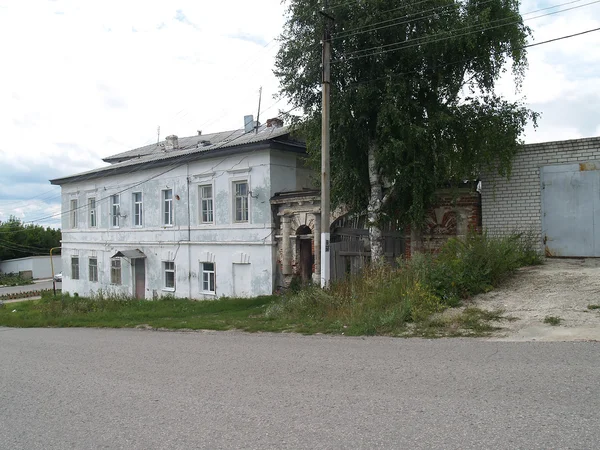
(190, 217)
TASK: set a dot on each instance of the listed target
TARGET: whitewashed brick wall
(514, 204)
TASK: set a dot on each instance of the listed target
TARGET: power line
(423, 40)
(471, 59)
(185, 159)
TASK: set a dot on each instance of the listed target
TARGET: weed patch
(593, 306)
(552, 320)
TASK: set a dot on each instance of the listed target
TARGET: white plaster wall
(223, 242)
(39, 265)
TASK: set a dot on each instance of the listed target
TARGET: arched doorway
(304, 247)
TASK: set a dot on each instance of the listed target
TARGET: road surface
(137, 389)
(36, 286)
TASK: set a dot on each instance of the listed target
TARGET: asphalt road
(36, 286)
(135, 389)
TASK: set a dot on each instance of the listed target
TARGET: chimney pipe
(171, 142)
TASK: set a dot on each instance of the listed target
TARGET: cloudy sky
(82, 80)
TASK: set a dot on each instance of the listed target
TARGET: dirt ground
(560, 288)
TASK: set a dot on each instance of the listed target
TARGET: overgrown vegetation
(593, 306)
(13, 279)
(408, 300)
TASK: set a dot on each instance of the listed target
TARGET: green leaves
(416, 79)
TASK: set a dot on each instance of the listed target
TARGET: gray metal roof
(190, 148)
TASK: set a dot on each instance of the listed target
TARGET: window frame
(204, 271)
(115, 210)
(234, 184)
(73, 213)
(138, 216)
(116, 267)
(93, 212)
(75, 263)
(170, 208)
(202, 199)
(94, 278)
(166, 266)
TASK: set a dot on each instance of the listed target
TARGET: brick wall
(515, 204)
(454, 213)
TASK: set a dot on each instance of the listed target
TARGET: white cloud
(83, 80)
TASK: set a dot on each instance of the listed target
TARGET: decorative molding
(209, 257)
(203, 176)
(239, 171)
(241, 258)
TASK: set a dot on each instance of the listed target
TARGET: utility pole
(258, 113)
(325, 164)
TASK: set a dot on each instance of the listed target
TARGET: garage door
(571, 209)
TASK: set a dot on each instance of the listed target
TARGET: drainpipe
(52, 267)
(189, 224)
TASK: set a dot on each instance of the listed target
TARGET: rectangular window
(92, 210)
(73, 214)
(93, 269)
(169, 269)
(167, 207)
(115, 210)
(115, 271)
(137, 209)
(241, 201)
(75, 268)
(206, 204)
(208, 277)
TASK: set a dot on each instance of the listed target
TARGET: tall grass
(384, 300)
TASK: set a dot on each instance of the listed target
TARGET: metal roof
(190, 148)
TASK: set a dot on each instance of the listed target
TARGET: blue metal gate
(571, 209)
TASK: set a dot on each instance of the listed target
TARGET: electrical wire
(534, 44)
(423, 40)
(184, 160)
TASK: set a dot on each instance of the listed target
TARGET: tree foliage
(414, 83)
(18, 240)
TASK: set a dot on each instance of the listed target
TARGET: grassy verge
(410, 300)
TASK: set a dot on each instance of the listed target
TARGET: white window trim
(214, 212)
(163, 210)
(96, 209)
(89, 266)
(120, 269)
(133, 205)
(164, 276)
(74, 213)
(232, 182)
(214, 272)
(78, 267)
(112, 215)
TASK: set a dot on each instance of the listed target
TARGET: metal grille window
(169, 269)
(241, 201)
(137, 209)
(206, 204)
(73, 213)
(93, 269)
(115, 271)
(92, 210)
(115, 211)
(75, 268)
(208, 277)
(168, 207)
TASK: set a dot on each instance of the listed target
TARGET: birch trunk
(374, 209)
